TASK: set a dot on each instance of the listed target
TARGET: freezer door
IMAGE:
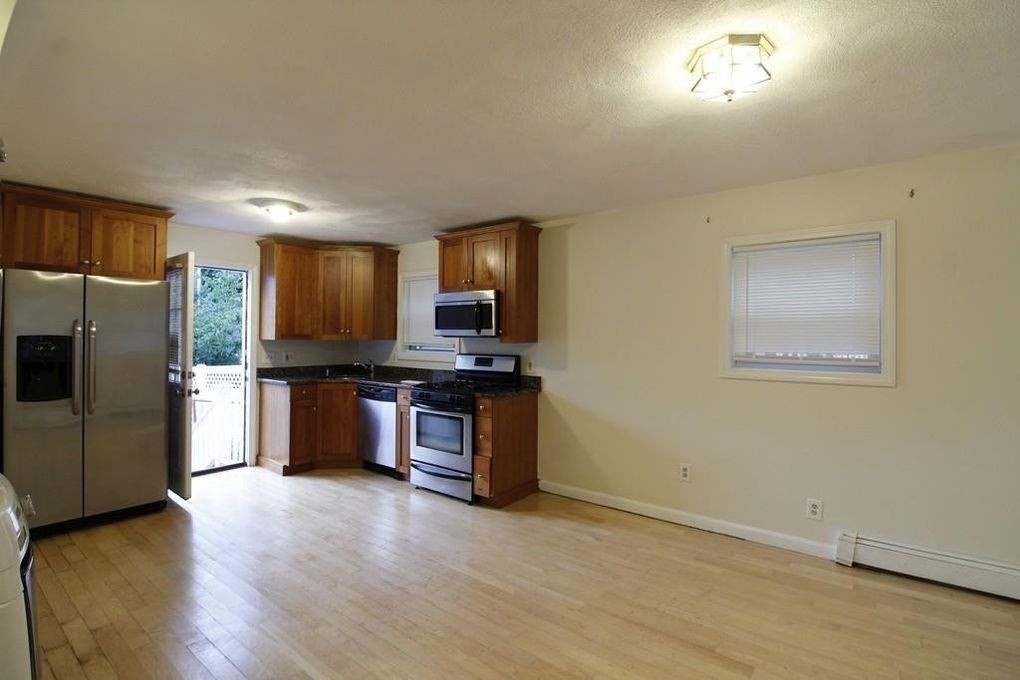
(42, 433)
(180, 274)
(125, 394)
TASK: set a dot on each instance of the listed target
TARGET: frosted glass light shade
(731, 67)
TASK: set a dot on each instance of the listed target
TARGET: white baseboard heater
(935, 565)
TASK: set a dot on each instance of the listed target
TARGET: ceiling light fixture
(280, 210)
(730, 67)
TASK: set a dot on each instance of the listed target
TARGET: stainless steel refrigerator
(84, 392)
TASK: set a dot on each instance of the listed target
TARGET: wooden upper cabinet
(128, 244)
(352, 294)
(485, 262)
(54, 231)
(290, 283)
(453, 264)
(504, 258)
(332, 291)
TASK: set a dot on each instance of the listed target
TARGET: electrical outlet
(814, 509)
(685, 472)
(529, 367)
(288, 357)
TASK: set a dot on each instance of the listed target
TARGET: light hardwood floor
(346, 574)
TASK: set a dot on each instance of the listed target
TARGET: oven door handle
(458, 476)
(446, 410)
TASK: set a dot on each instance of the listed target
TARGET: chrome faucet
(369, 364)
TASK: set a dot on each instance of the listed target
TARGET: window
(417, 321)
(815, 305)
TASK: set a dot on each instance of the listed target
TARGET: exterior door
(42, 407)
(125, 453)
(180, 274)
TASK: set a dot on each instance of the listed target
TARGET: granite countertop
(385, 376)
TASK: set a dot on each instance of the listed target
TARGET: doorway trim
(251, 383)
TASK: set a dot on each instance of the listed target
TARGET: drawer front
(304, 392)
(483, 407)
(403, 397)
(482, 483)
(483, 436)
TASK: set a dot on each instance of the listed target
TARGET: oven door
(442, 438)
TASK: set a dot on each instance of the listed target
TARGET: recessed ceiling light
(277, 208)
(730, 67)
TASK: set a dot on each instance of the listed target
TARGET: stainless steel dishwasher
(377, 424)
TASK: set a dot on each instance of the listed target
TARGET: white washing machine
(18, 647)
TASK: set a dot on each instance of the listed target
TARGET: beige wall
(629, 310)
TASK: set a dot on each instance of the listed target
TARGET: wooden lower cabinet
(505, 448)
(308, 426)
(338, 425)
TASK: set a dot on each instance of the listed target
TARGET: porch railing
(218, 419)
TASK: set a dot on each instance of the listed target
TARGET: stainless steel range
(441, 421)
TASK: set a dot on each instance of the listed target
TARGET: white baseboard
(719, 526)
(936, 565)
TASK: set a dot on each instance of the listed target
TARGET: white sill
(885, 379)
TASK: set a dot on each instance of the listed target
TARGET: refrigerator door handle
(92, 368)
(76, 368)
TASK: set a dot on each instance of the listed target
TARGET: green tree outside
(219, 316)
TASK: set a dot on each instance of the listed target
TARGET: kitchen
(503, 380)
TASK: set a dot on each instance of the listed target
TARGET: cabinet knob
(481, 436)
(481, 407)
(97, 263)
(86, 261)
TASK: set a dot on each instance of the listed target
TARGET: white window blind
(814, 304)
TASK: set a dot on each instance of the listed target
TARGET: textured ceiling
(393, 119)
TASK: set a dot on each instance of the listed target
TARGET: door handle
(92, 368)
(478, 318)
(76, 367)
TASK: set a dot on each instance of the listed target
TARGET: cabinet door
(404, 440)
(333, 289)
(338, 424)
(45, 234)
(128, 245)
(485, 262)
(453, 265)
(304, 432)
(360, 294)
(297, 299)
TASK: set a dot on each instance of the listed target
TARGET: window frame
(885, 378)
(404, 353)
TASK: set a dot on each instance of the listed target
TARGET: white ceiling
(394, 119)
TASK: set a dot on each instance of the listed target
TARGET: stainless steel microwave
(468, 314)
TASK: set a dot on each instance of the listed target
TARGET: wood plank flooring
(347, 574)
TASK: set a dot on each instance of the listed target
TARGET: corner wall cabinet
(64, 232)
(325, 292)
(503, 257)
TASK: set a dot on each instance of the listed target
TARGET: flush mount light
(731, 66)
(277, 208)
